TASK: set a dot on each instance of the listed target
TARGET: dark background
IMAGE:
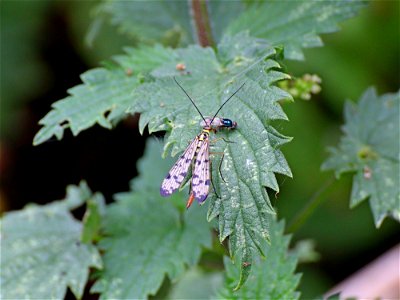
(43, 52)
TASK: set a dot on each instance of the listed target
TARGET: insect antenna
(226, 102)
(190, 100)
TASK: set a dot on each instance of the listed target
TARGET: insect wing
(201, 174)
(179, 171)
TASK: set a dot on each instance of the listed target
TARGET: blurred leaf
(149, 172)
(271, 278)
(148, 237)
(197, 284)
(76, 196)
(294, 24)
(104, 95)
(22, 69)
(356, 37)
(92, 219)
(152, 21)
(93, 37)
(169, 22)
(42, 254)
(249, 164)
(221, 15)
(305, 251)
(370, 148)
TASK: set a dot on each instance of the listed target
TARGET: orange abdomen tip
(190, 201)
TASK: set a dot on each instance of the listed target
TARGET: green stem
(202, 22)
(310, 207)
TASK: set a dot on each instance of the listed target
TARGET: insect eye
(227, 122)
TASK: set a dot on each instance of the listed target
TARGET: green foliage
(42, 253)
(249, 164)
(151, 21)
(303, 87)
(104, 95)
(305, 251)
(271, 278)
(294, 24)
(197, 284)
(92, 219)
(173, 25)
(147, 237)
(23, 73)
(370, 148)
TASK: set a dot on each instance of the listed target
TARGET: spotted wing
(201, 174)
(179, 171)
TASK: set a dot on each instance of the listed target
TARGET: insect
(197, 156)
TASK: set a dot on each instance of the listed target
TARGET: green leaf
(271, 278)
(167, 21)
(197, 284)
(76, 196)
(104, 95)
(221, 15)
(92, 219)
(250, 162)
(148, 237)
(333, 297)
(22, 65)
(305, 251)
(151, 168)
(294, 24)
(370, 148)
(150, 21)
(42, 254)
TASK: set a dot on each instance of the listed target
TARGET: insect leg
(219, 167)
(221, 138)
(212, 182)
(220, 163)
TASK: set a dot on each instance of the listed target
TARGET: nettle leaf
(168, 21)
(197, 284)
(294, 24)
(151, 20)
(370, 147)
(104, 95)
(42, 253)
(148, 237)
(151, 168)
(271, 278)
(95, 210)
(249, 163)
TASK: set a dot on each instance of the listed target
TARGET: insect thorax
(218, 123)
(205, 133)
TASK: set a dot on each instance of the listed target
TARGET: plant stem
(312, 204)
(202, 23)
